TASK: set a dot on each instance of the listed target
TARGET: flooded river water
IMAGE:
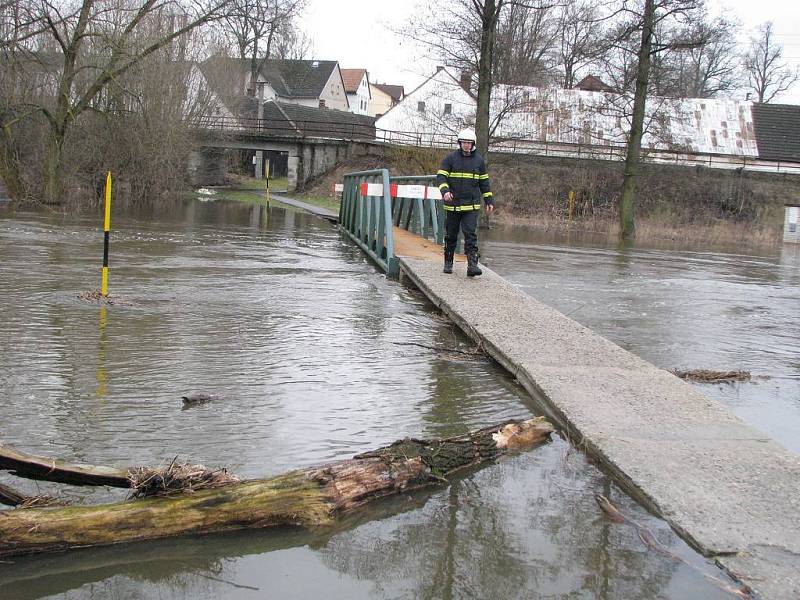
(313, 353)
(679, 308)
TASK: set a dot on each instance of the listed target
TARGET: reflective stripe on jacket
(466, 178)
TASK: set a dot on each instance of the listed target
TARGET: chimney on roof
(466, 80)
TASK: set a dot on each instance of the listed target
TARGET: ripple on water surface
(316, 357)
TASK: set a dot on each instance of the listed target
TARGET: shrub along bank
(672, 201)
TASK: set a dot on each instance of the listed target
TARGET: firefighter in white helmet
(464, 184)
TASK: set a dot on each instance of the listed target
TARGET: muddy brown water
(307, 345)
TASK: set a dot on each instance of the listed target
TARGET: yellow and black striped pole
(106, 233)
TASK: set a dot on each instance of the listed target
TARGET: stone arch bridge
(311, 146)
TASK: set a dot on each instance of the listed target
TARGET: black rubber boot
(472, 265)
(448, 262)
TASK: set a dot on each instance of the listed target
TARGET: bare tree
(488, 12)
(653, 16)
(466, 39)
(81, 49)
(767, 75)
(523, 53)
(291, 43)
(709, 65)
(580, 38)
(256, 26)
(141, 125)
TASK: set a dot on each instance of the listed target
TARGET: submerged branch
(649, 540)
(707, 376)
(476, 352)
(11, 497)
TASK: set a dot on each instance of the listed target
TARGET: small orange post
(571, 196)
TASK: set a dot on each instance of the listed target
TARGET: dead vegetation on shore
(709, 376)
(683, 204)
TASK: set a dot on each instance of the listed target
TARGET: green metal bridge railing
(367, 217)
(423, 216)
(373, 202)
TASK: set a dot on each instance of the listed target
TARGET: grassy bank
(242, 189)
(673, 202)
(327, 202)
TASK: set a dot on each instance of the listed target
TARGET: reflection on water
(303, 340)
(685, 309)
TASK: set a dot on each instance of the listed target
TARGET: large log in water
(307, 497)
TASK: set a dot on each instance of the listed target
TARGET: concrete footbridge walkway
(726, 488)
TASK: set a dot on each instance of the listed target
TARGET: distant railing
(350, 130)
(333, 128)
(611, 152)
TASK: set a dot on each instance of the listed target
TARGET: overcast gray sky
(358, 33)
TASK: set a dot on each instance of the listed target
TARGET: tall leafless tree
(256, 27)
(580, 38)
(524, 49)
(291, 43)
(79, 49)
(709, 65)
(463, 34)
(767, 74)
(646, 20)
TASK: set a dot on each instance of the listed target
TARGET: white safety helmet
(467, 135)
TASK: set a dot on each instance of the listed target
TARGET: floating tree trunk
(307, 497)
(37, 467)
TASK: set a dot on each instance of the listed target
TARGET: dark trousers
(467, 221)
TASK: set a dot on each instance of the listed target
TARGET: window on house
(322, 103)
(448, 109)
(421, 107)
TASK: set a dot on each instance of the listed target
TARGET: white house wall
(572, 117)
(200, 99)
(410, 124)
(595, 118)
(360, 100)
(334, 93)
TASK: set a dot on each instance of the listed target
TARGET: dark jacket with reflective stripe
(466, 178)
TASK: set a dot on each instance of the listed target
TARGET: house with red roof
(356, 84)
